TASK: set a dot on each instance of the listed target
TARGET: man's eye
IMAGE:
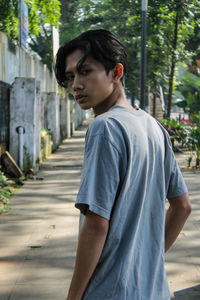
(69, 78)
(84, 72)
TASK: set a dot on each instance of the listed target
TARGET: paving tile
(10, 271)
(5, 291)
(46, 271)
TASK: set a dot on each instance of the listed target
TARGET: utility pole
(143, 55)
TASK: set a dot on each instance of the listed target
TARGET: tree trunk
(173, 64)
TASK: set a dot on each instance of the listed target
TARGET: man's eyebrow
(84, 65)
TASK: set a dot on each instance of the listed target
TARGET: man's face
(91, 86)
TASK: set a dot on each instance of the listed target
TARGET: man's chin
(85, 106)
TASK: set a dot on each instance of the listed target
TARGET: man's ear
(118, 71)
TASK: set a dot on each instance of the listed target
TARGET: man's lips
(80, 98)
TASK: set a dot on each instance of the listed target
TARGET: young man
(129, 171)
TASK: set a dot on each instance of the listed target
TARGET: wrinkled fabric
(129, 171)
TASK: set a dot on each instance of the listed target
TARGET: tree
(193, 44)
(112, 15)
(42, 44)
(190, 90)
(70, 25)
(42, 14)
(184, 25)
(170, 26)
(9, 18)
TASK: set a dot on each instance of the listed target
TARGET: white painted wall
(53, 118)
(30, 66)
(25, 103)
(65, 118)
(30, 81)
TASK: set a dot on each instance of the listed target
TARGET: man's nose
(77, 84)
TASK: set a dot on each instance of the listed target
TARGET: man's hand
(91, 241)
(176, 216)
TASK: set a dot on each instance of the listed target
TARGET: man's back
(126, 178)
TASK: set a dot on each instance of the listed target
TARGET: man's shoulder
(107, 128)
(103, 123)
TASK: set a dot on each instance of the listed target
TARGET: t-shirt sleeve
(100, 177)
(176, 186)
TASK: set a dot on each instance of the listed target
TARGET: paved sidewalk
(183, 259)
(38, 236)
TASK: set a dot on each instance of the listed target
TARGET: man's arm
(91, 241)
(176, 216)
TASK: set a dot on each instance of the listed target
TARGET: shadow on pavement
(192, 293)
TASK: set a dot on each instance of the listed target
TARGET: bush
(178, 132)
(194, 142)
(5, 193)
(3, 180)
(184, 135)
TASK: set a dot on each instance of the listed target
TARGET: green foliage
(3, 180)
(4, 200)
(124, 19)
(116, 16)
(195, 117)
(40, 13)
(46, 143)
(184, 135)
(165, 47)
(194, 141)
(5, 193)
(42, 44)
(190, 89)
(194, 41)
(9, 18)
(43, 15)
(178, 132)
(45, 132)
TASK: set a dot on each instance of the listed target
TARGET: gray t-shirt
(129, 171)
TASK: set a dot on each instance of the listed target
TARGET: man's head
(101, 45)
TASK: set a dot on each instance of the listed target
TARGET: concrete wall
(50, 116)
(30, 66)
(35, 102)
(37, 122)
(65, 130)
(53, 118)
(60, 115)
(44, 109)
(77, 115)
(25, 103)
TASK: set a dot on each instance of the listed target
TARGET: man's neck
(118, 97)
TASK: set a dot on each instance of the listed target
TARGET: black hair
(100, 44)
